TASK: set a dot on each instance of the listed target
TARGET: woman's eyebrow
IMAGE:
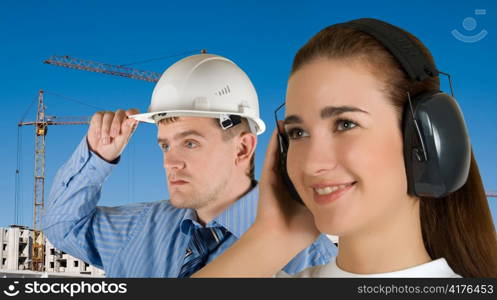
(292, 119)
(331, 111)
(327, 112)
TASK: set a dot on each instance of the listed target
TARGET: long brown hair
(457, 227)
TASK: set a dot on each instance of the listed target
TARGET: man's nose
(173, 160)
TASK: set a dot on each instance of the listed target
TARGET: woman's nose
(319, 157)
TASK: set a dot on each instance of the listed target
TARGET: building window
(75, 263)
(52, 251)
(4, 247)
(51, 265)
(63, 263)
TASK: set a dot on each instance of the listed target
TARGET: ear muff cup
(437, 150)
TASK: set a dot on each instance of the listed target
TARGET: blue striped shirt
(141, 239)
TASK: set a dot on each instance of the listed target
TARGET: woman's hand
(283, 227)
(278, 211)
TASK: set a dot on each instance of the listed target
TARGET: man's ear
(246, 144)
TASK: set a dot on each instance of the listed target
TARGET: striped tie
(202, 243)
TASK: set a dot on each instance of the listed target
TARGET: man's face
(198, 163)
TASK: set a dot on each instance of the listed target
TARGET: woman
(344, 113)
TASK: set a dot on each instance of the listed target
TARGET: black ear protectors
(437, 150)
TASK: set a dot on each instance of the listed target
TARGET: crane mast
(41, 127)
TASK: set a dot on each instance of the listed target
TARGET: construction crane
(41, 127)
(97, 67)
(92, 66)
(492, 194)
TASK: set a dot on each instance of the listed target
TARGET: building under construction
(16, 257)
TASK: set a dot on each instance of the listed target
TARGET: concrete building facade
(61, 262)
(16, 244)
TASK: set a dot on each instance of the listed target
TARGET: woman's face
(345, 156)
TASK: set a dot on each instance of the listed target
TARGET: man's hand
(110, 132)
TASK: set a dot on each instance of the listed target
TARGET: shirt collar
(237, 218)
(189, 220)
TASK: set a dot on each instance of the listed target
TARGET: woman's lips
(324, 194)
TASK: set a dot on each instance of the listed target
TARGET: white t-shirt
(434, 268)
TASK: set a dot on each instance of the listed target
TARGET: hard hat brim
(149, 117)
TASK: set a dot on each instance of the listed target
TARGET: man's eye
(190, 144)
(343, 125)
(165, 147)
(296, 133)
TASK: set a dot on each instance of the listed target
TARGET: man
(207, 114)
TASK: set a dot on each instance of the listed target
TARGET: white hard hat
(205, 85)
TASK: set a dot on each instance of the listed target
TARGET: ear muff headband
(403, 48)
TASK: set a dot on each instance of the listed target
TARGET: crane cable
(131, 171)
(18, 218)
(163, 57)
(74, 100)
(18, 196)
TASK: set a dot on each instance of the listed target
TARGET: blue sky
(260, 36)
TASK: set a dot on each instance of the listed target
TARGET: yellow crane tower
(41, 126)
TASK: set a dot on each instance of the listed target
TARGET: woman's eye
(296, 133)
(343, 125)
(190, 144)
